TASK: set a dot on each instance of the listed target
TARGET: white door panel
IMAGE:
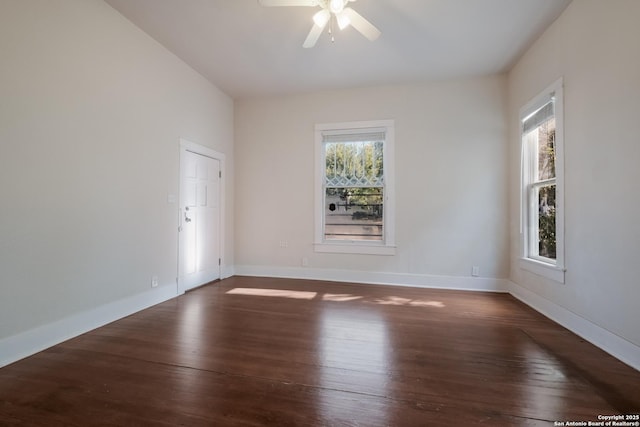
(199, 242)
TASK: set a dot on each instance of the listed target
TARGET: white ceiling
(248, 50)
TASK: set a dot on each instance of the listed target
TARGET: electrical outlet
(305, 261)
(475, 271)
(154, 281)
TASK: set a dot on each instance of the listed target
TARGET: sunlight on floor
(282, 293)
(406, 301)
(340, 297)
(307, 295)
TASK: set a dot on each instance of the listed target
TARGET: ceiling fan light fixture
(330, 9)
(336, 6)
(321, 18)
(343, 20)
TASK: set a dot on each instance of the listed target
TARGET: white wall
(91, 112)
(451, 175)
(594, 45)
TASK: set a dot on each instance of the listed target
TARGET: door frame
(192, 147)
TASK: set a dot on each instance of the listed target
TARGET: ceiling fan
(330, 10)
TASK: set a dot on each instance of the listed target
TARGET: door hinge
(219, 261)
(219, 174)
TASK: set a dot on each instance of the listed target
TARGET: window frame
(530, 260)
(385, 247)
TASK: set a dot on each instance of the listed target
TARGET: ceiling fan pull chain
(333, 39)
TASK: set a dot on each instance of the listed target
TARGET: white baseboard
(613, 344)
(378, 278)
(25, 344)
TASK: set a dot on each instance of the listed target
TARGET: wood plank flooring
(281, 352)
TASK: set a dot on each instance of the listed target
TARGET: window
(542, 184)
(354, 188)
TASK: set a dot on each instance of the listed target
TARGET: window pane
(547, 221)
(546, 149)
(353, 164)
(353, 214)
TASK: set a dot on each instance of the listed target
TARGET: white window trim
(553, 270)
(388, 246)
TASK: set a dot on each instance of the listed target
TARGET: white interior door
(199, 230)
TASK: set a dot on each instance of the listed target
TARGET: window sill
(543, 269)
(351, 248)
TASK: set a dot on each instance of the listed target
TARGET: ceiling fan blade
(288, 2)
(359, 23)
(313, 36)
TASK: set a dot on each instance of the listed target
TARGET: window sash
(341, 137)
(358, 165)
(365, 225)
(533, 219)
(531, 124)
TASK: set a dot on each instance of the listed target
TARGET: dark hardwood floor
(276, 352)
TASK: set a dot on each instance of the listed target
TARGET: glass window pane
(353, 213)
(353, 164)
(547, 221)
(546, 150)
